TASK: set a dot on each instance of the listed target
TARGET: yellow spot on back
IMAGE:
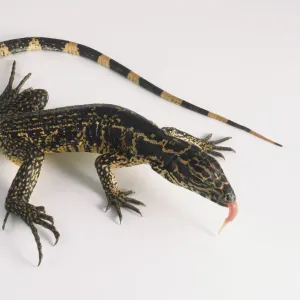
(4, 50)
(103, 60)
(34, 45)
(71, 48)
(171, 98)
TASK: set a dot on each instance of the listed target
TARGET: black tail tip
(278, 144)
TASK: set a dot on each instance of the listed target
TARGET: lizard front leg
(31, 158)
(104, 164)
(29, 100)
(204, 144)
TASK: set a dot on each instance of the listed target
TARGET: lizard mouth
(233, 210)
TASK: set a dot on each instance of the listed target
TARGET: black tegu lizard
(120, 137)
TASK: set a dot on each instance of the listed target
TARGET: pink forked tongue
(233, 210)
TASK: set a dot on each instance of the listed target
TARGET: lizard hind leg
(115, 197)
(29, 100)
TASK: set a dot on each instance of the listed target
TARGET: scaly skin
(43, 43)
(121, 137)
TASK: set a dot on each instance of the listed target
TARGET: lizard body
(120, 137)
(50, 44)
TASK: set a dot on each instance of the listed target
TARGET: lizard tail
(50, 44)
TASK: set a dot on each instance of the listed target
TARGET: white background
(236, 58)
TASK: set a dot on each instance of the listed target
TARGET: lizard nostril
(228, 197)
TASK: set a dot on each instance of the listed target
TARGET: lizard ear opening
(170, 161)
(166, 167)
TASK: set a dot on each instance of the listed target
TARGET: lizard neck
(157, 148)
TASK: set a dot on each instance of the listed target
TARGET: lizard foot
(210, 146)
(9, 92)
(121, 200)
(32, 215)
(12, 100)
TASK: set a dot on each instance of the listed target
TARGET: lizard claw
(5, 220)
(32, 215)
(127, 193)
(121, 200)
(109, 204)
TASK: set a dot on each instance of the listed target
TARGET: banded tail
(41, 43)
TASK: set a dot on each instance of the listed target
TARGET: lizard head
(198, 172)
